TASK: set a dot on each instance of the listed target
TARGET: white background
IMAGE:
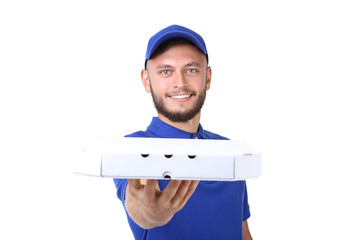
(285, 79)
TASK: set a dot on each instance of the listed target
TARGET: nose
(179, 80)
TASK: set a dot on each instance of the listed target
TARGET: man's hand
(149, 207)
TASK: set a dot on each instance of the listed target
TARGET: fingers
(181, 191)
(171, 189)
(134, 184)
(176, 194)
(151, 187)
(185, 192)
(191, 189)
(133, 188)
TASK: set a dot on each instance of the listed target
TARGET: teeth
(180, 96)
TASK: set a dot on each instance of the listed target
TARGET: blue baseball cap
(174, 31)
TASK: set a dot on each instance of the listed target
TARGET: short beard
(180, 117)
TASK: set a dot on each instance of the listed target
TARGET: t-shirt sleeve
(120, 185)
(246, 207)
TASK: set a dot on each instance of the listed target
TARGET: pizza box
(165, 158)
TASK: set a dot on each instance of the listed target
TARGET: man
(177, 75)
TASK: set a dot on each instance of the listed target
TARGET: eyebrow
(191, 64)
(161, 66)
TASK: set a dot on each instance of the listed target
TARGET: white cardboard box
(159, 158)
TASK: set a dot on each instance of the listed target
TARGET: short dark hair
(171, 43)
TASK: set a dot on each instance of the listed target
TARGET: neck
(191, 126)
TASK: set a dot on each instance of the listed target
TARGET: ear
(145, 80)
(208, 78)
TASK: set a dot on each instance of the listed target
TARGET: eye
(191, 70)
(165, 72)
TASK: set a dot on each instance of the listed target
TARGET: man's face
(178, 80)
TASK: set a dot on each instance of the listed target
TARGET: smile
(180, 96)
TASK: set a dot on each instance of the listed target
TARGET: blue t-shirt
(216, 209)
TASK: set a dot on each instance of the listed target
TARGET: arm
(149, 207)
(246, 231)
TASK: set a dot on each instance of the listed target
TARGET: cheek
(159, 89)
(201, 85)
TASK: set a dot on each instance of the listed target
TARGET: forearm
(246, 231)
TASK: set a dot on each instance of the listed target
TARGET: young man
(177, 75)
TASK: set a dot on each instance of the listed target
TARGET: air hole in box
(166, 175)
(145, 155)
(192, 156)
(168, 155)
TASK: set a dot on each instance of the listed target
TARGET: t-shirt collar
(164, 130)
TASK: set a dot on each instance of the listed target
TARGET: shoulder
(211, 135)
